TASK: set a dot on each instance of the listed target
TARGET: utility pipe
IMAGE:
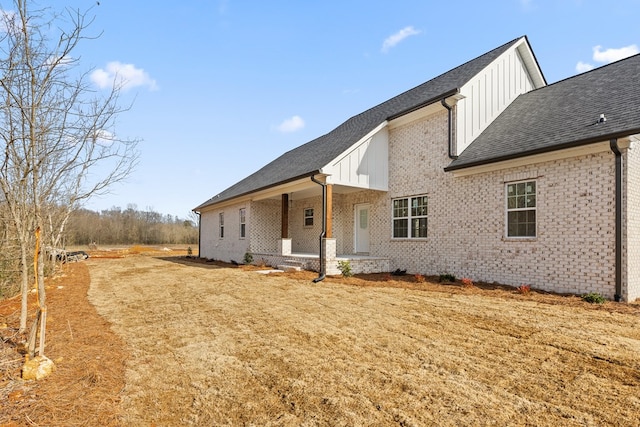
(323, 260)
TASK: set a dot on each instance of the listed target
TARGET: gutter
(449, 108)
(424, 104)
(322, 255)
(542, 150)
(618, 176)
(217, 199)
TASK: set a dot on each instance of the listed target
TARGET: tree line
(128, 226)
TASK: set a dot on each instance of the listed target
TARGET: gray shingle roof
(307, 159)
(562, 115)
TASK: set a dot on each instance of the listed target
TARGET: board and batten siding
(365, 164)
(488, 94)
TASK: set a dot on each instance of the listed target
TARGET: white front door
(362, 228)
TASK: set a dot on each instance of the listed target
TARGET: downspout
(450, 130)
(618, 176)
(324, 230)
(199, 232)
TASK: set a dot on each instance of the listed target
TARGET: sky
(219, 88)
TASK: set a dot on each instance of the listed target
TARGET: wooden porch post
(328, 234)
(284, 227)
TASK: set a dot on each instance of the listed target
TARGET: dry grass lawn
(213, 345)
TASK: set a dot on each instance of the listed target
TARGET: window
(521, 209)
(242, 223)
(410, 217)
(221, 225)
(308, 217)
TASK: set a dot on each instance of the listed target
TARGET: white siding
(488, 94)
(365, 165)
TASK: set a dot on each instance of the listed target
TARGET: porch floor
(360, 263)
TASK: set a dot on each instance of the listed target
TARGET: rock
(37, 368)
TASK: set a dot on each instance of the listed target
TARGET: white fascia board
(583, 150)
(290, 187)
(267, 193)
(530, 62)
(421, 113)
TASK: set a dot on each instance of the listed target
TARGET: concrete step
(289, 267)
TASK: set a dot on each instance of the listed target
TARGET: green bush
(594, 298)
(345, 268)
(446, 277)
(248, 258)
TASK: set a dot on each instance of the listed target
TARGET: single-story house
(485, 172)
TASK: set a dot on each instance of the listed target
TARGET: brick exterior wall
(574, 248)
(305, 239)
(631, 217)
(231, 246)
(265, 222)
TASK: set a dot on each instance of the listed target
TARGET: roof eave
(572, 144)
(430, 101)
(212, 202)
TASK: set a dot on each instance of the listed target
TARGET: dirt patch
(214, 344)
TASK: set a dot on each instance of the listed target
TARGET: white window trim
(242, 219)
(507, 210)
(304, 217)
(221, 225)
(409, 218)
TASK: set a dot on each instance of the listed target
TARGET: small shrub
(189, 251)
(524, 289)
(345, 268)
(419, 278)
(248, 258)
(446, 277)
(467, 283)
(594, 298)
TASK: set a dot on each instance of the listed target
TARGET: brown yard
(202, 344)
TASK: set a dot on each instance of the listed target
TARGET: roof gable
(562, 115)
(311, 157)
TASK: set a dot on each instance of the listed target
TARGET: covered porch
(314, 227)
(321, 218)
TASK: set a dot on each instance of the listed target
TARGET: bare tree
(55, 128)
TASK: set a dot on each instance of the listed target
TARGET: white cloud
(582, 67)
(612, 55)
(396, 38)
(104, 138)
(9, 19)
(127, 76)
(292, 124)
(607, 56)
